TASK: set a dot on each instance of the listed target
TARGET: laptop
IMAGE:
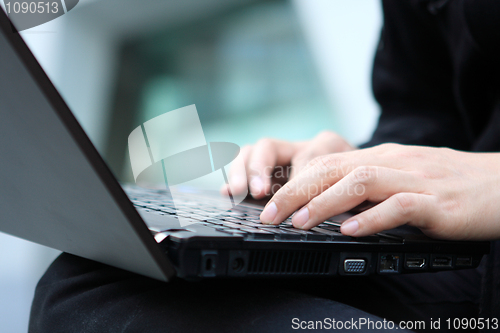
(56, 190)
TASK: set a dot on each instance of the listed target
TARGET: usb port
(464, 261)
(415, 262)
(442, 262)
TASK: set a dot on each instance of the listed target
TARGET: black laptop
(56, 190)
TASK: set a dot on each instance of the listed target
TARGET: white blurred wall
(343, 36)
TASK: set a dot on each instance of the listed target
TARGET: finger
(316, 177)
(368, 183)
(401, 208)
(265, 156)
(324, 143)
(238, 174)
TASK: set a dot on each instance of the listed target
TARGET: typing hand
(271, 159)
(446, 193)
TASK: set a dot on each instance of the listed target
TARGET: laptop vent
(289, 262)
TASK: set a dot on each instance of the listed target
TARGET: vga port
(356, 266)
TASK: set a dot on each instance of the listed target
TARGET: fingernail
(256, 185)
(349, 228)
(269, 213)
(300, 218)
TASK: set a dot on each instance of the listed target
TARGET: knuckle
(302, 159)
(404, 203)
(265, 143)
(410, 154)
(313, 162)
(245, 151)
(389, 146)
(326, 134)
(246, 148)
(326, 162)
(296, 166)
(301, 156)
(364, 175)
(390, 149)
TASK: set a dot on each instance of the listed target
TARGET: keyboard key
(325, 232)
(232, 219)
(198, 217)
(231, 225)
(330, 227)
(335, 235)
(233, 232)
(259, 234)
(309, 235)
(285, 234)
(258, 225)
(366, 239)
(215, 221)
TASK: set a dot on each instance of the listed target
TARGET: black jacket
(436, 77)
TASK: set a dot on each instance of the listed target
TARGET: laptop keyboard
(241, 220)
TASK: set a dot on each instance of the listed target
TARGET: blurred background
(254, 68)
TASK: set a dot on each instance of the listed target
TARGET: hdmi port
(415, 262)
(442, 262)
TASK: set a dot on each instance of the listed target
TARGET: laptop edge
(148, 257)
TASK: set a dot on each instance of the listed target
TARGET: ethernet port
(389, 263)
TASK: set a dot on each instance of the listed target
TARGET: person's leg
(79, 295)
(412, 297)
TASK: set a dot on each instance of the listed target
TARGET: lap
(79, 295)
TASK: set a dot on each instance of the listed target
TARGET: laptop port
(238, 262)
(356, 266)
(463, 261)
(237, 265)
(389, 263)
(208, 262)
(442, 262)
(415, 262)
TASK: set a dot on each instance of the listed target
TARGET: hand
(446, 193)
(270, 158)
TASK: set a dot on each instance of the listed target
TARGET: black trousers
(80, 295)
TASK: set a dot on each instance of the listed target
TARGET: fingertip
(300, 218)
(269, 213)
(224, 190)
(349, 228)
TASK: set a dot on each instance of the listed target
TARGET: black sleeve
(412, 81)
